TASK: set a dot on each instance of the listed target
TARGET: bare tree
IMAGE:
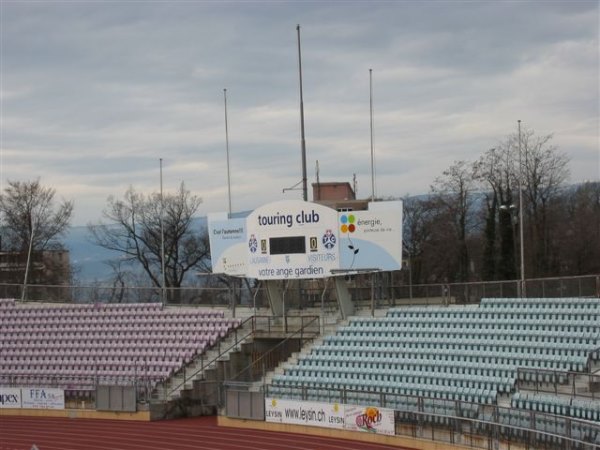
(31, 216)
(578, 229)
(29, 209)
(132, 227)
(544, 171)
(452, 196)
(495, 171)
(415, 235)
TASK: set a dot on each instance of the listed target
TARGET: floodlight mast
(371, 127)
(162, 236)
(521, 218)
(227, 151)
(303, 144)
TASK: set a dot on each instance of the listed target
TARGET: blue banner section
(358, 254)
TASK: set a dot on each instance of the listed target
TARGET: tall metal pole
(304, 185)
(162, 237)
(521, 217)
(371, 116)
(227, 150)
(28, 259)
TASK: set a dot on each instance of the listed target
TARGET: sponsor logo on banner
(43, 398)
(10, 397)
(370, 419)
(328, 415)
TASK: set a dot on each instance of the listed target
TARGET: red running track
(201, 433)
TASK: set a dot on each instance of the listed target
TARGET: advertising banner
(304, 413)
(371, 239)
(228, 249)
(370, 419)
(292, 239)
(10, 397)
(43, 398)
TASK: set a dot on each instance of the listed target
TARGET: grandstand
(77, 347)
(464, 360)
(509, 371)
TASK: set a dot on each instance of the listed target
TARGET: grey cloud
(96, 93)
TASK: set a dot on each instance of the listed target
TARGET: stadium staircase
(198, 387)
(332, 322)
(197, 369)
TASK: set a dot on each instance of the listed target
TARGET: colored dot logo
(347, 223)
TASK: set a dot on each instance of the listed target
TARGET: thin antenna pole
(318, 182)
(371, 116)
(521, 218)
(28, 257)
(227, 150)
(304, 183)
(162, 237)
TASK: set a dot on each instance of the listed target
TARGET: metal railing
(464, 423)
(557, 382)
(264, 324)
(311, 293)
(80, 390)
(309, 329)
(220, 352)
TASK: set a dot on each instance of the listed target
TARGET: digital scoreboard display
(287, 245)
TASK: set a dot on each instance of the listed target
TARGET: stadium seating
(469, 353)
(76, 346)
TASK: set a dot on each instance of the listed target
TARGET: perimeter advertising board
(370, 419)
(292, 239)
(10, 397)
(43, 398)
(32, 398)
(328, 415)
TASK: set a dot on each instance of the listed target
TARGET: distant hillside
(90, 259)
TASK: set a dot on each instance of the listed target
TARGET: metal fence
(459, 422)
(570, 384)
(81, 391)
(381, 289)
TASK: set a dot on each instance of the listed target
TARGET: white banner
(370, 419)
(304, 413)
(43, 398)
(228, 248)
(10, 397)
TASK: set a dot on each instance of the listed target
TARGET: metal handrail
(252, 319)
(563, 439)
(280, 344)
(221, 353)
(556, 375)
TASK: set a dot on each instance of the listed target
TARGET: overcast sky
(94, 93)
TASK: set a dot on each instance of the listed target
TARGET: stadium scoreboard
(296, 239)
